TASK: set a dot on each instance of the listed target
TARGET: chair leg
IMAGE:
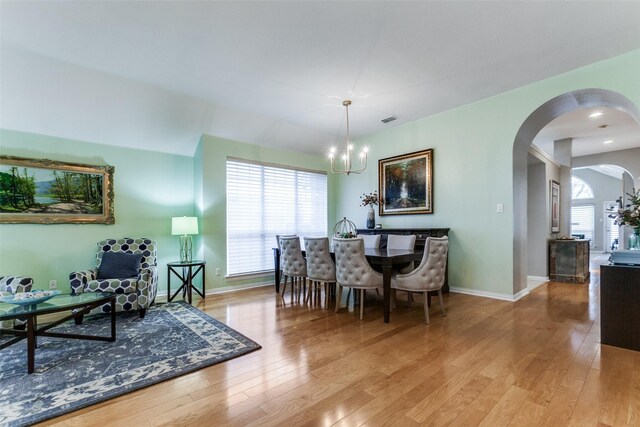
(338, 298)
(426, 307)
(284, 288)
(362, 291)
(441, 302)
(393, 299)
(142, 312)
(308, 297)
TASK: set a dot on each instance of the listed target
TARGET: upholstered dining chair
(353, 270)
(126, 267)
(321, 270)
(10, 285)
(429, 276)
(396, 241)
(294, 266)
(278, 236)
(370, 240)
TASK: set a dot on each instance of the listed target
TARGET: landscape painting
(406, 183)
(50, 192)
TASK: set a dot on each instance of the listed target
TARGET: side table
(185, 271)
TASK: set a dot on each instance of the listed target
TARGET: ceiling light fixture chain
(346, 155)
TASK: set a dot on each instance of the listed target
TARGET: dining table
(384, 258)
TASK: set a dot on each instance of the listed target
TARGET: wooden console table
(619, 302)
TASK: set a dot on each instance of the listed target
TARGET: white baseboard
(227, 289)
(487, 294)
(535, 281)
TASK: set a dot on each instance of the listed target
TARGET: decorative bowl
(29, 298)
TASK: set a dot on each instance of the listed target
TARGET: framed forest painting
(406, 183)
(39, 191)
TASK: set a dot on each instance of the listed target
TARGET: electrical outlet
(53, 284)
(500, 208)
(217, 271)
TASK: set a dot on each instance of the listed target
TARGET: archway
(543, 115)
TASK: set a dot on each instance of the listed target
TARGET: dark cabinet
(569, 260)
(620, 306)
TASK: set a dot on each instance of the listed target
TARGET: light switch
(500, 207)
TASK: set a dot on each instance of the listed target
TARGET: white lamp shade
(183, 225)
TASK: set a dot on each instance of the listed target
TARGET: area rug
(173, 339)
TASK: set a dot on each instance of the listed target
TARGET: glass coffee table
(82, 303)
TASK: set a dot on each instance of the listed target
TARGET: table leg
(386, 282)
(169, 283)
(189, 283)
(113, 319)
(31, 345)
(276, 268)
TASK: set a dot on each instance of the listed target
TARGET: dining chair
(321, 270)
(353, 270)
(429, 276)
(370, 240)
(396, 241)
(278, 236)
(294, 266)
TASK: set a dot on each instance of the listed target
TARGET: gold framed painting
(40, 191)
(406, 183)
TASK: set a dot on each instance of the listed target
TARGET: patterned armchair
(10, 285)
(134, 293)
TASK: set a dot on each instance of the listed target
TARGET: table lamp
(185, 226)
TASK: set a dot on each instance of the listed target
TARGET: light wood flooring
(536, 362)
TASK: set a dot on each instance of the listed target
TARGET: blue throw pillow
(118, 265)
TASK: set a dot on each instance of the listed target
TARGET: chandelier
(342, 163)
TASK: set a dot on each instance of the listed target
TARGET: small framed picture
(555, 206)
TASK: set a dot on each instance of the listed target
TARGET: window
(580, 189)
(583, 220)
(264, 200)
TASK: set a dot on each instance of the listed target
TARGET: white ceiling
(156, 75)
(589, 134)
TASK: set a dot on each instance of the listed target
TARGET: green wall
(473, 157)
(210, 159)
(149, 189)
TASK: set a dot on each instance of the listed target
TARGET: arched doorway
(543, 115)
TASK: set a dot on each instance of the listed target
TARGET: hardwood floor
(536, 362)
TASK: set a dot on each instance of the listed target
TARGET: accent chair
(127, 267)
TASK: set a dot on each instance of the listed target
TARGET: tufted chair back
(143, 246)
(429, 276)
(320, 266)
(352, 268)
(370, 240)
(293, 263)
(278, 237)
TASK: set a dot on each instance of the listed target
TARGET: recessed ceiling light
(595, 114)
(608, 141)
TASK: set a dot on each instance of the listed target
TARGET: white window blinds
(583, 220)
(265, 200)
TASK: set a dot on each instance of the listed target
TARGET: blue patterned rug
(173, 339)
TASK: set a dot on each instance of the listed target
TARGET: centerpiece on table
(630, 216)
(370, 200)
